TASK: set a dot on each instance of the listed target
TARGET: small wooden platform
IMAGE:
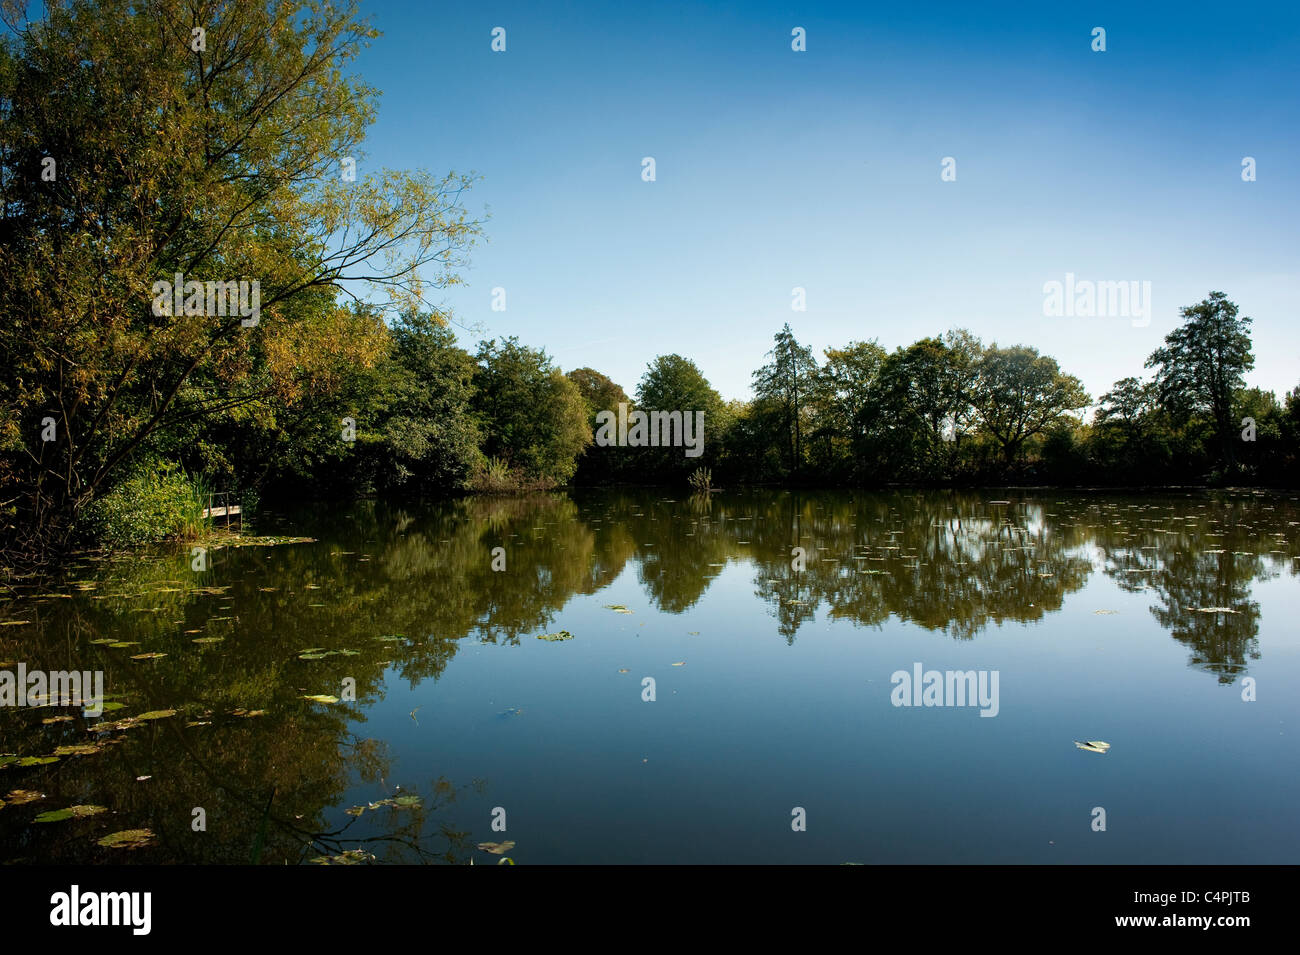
(231, 511)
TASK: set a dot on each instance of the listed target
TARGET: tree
(1202, 364)
(1127, 406)
(531, 416)
(840, 396)
(215, 157)
(785, 385)
(673, 383)
(1019, 393)
(599, 393)
(924, 391)
(427, 437)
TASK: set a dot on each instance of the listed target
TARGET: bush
(495, 476)
(155, 504)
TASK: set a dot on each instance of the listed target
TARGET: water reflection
(390, 593)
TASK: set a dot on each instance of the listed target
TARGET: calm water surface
(1136, 620)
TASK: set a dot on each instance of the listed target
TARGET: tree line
(138, 145)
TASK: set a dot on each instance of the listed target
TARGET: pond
(643, 676)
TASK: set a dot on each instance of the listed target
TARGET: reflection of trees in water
(393, 590)
(1197, 558)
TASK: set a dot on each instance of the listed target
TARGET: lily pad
(77, 749)
(555, 637)
(496, 848)
(128, 839)
(72, 812)
(37, 760)
(156, 715)
(207, 639)
(147, 656)
(119, 644)
(322, 698)
(19, 797)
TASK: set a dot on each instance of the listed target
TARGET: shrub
(154, 504)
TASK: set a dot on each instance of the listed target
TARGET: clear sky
(821, 169)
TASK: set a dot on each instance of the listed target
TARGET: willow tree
(143, 140)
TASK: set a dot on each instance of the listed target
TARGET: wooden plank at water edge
(231, 511)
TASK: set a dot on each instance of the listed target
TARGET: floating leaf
(347, 857)
(37, 760)
(322, 698)
(496, 848)
(617, 608)
(555, 637)
(148, 656)
(128, 839)
(622, 669)
(680, 663)
(72, 812)
(156, 715)
(1216, 610)
(207, 639)
(119, 644)
(1093, 746)
(77, 749)
(109, 640)
(407, 802)
(56, 719)
(19, 797)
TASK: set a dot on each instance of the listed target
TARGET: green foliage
(701, 480)
(530, 414)
(783, 389)
(600, 465)
(222, 167)
(1202, 365)
(152, 504)
(673, 383)
(1020, 393)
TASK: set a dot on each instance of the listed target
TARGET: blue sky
(821, 170)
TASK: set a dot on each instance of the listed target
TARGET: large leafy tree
(1202, 364)
(600, 393)
(842, 394)
(426, 438)
(211, 138)
(1020, 393)
(532, 417)
(673, 383)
